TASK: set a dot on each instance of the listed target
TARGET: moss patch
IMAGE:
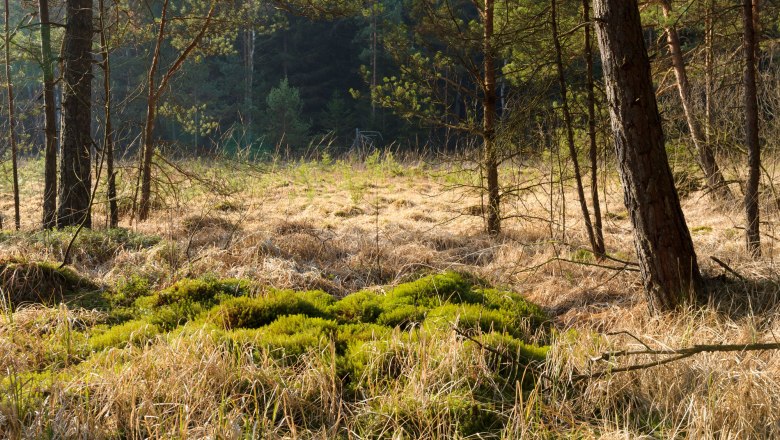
(135, 332)
(247, 312)
(369, 340)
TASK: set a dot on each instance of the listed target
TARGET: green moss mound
(136, 332)
(367, 342)
(245, 312)
(206, 291)
(188, 300)
(448, 299)
(289, 336)
(274, 319)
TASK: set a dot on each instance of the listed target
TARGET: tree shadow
(740, 298)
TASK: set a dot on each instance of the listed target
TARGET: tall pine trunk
(75, 173)
(663, 243)
(751, 131)
(50, 121)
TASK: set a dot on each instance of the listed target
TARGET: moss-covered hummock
(25, 282)
(366, 342)
(286, 323)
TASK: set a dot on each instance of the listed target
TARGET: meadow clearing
(359, 298)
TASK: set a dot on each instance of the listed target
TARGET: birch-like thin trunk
(570, 129)
(598, 230)
(706, 158)
(11, 118)
(152, 98)
(108, 135)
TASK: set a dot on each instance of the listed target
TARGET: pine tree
(663, 243)
(75, 173)
(283, 122)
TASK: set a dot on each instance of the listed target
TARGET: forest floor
(171, 327)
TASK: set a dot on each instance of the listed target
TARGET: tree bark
(50, 121)
(489, 101)
(598, 230)
(75, 173)
(570, 130)
(706, 158)
(108, 132)
(667, 260)
(751, 131)
(11, 118)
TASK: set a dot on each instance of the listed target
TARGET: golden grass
(346, 226)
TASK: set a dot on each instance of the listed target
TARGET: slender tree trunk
(570, 130)
(598, 230)
(249, 76)
(374, 32)
(11, 118)
(751, 132)
(75, 173)
(709, 67)
(108, 138)
(715, 181)
(489, 125)
(151, 116)
(663, 243)
(144, 206)
(757, 31)
(152, 98)
(50, 121)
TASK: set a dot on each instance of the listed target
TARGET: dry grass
(347, 226)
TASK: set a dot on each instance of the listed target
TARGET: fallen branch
(581, 263)
(675, 355)
(727, 268)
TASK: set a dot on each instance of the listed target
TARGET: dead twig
(582, 263)
(674, 355)
(727, 268)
